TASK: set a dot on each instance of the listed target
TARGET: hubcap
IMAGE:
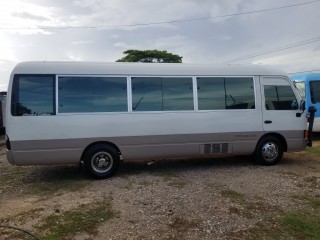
(270, 151)
(102, 162)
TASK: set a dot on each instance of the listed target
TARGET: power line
(292, 45)
(159, 23)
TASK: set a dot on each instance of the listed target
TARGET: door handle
(267, 121)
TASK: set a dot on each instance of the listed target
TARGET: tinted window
(280, 98)
(315, 91)
(33, 95)
(92, 94)
(161, 94)
(225, 93)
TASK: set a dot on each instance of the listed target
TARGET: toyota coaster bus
(101, 113)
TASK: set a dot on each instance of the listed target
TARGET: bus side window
(315, 91)
(279, 98)
(162, 93)
(33, 95)
(225, 93)
(83, 94)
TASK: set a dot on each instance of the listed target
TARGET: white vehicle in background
(101, 113)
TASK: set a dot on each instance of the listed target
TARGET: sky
(283, 33)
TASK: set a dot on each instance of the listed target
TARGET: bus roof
(169, 69)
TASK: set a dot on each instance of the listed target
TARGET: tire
(101, 161)
(269, 151)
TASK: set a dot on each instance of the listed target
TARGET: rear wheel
(269, 151)
(101, 161)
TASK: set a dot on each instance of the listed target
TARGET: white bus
(102, 113)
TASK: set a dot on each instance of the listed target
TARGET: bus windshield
(301, 86)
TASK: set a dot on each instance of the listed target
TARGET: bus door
(280, 105)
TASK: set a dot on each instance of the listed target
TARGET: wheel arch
(97, 143)
(278, 136)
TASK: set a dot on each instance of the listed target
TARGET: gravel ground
(217, 198)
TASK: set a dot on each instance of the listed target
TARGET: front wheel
(269, 151)
(101, 161)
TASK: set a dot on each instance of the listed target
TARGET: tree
(150, 56)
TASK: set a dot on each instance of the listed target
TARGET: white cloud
(123, 45)
(297, 61)
(80, 42)
(209, 41)
(18, 15)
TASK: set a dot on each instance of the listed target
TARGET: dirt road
(218, 198)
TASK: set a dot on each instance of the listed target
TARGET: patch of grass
(46, 181)
(42, 181)
(12, 174)
(313, 201)
(57, 185)
(233, 195)
(292, 225)
(300, 224)
(84, 219)
(303, 225)
(313, 150)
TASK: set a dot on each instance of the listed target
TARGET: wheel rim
(270, 151)
(101, 162)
